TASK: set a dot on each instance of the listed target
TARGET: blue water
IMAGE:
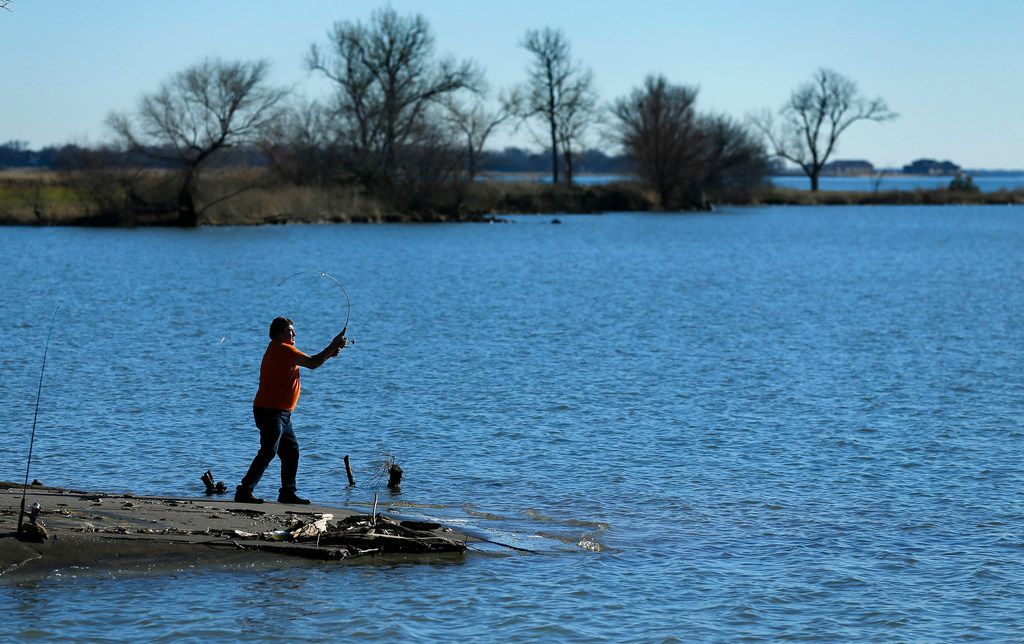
(985, 183)
(763, 422)
(589, 179)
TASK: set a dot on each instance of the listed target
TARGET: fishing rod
(344, 291)
(35, 417)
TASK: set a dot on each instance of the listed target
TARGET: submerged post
(394, 476)
(348, 471)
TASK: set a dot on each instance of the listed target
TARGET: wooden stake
(348, 470)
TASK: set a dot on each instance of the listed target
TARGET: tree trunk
(814, 180)
(554, 132)
(471, 161)
(187, 215)
(664, 196)
(554, 155)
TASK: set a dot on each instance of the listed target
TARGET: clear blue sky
(953, 69)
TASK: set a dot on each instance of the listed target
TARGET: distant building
(931, 167)
(848, 166)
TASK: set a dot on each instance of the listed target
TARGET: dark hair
(279, 326)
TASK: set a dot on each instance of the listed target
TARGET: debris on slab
(211, 487)
(81, 525)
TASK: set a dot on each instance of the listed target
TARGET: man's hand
(331, 351)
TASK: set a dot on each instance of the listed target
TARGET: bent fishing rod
(344, 291)
(35, 417)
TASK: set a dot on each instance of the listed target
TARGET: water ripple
(770, 423)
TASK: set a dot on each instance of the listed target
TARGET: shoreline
(123, 532)
(47, 199)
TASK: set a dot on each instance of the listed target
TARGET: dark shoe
(291, 497)
(246, 496)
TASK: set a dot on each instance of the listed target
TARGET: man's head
(281, 329)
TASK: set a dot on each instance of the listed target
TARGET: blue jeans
(276, 439)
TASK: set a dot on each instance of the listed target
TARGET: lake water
(762, 422)
(984, 183)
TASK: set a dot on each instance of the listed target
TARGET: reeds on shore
(252, 197)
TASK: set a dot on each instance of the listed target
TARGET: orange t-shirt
(279, 377)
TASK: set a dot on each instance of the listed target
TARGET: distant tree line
(512, 159)
(411, 128)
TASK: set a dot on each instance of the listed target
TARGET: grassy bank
(35, 197)
(936, 197)
(247, 198)
(234, 197)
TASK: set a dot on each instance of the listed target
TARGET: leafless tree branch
(390, 91)
(474, 123)
(196, 113)
(816, 115)
(558, 92)
(680, 153)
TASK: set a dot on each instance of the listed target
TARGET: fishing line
(35, 417)
(385, 458)
(341, 287)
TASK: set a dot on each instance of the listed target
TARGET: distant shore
(46, 198)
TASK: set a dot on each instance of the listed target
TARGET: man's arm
(333, 349)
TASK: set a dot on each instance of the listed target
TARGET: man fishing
(272, 409)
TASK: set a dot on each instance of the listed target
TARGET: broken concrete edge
(105, 530)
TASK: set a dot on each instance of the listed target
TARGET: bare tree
(657, 128)
(389, 89)
(579, 110)
(301, 145)
(816, 115)
(104, 179)
(876, 180)
(197, 113)
(474, 123)
(680, 153)
(558, 92)
(733, 156)
(6, 4)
